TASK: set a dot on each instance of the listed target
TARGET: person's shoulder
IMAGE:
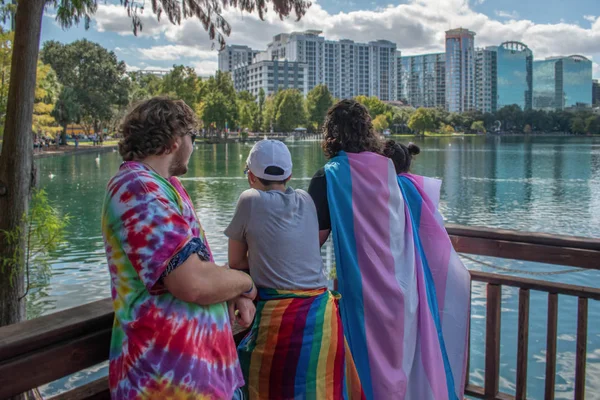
(135, 182)
(320, 173)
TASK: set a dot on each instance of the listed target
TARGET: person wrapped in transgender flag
(405, 302)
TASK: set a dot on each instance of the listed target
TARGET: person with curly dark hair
(400, 154)
(405, 293)
(172, 334)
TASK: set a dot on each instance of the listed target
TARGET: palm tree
(16, 159)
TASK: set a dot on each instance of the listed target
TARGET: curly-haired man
(172, 335)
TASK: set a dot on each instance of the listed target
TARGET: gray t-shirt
(282, 233)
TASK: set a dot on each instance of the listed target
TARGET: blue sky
(548, 27)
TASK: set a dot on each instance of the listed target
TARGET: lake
(543, 184)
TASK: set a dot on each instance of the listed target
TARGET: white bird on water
(51, 176)
(98, 159)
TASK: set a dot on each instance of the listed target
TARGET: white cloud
(174, 52)
(596, 70)
(505, 14)
(591, 18)
(416, 27)
(205, 68)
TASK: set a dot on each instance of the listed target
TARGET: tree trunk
(16, 159)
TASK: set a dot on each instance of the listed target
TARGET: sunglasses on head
(193, 135)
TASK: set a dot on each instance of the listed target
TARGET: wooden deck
(42, 350)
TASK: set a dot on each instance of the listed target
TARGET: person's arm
(205, 283)
(238, 255)
(318, 191)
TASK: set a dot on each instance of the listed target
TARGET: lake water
(523, 183)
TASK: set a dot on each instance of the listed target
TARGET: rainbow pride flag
(296, 349)
(405, 302)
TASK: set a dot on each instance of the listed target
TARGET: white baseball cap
(270, 153)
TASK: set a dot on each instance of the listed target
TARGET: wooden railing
(45, 349)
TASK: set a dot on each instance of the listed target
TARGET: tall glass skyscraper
(422, 80)
(561, 83)
(460, 70)
(515, 75)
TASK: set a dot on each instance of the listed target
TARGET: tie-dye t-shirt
(161, 347)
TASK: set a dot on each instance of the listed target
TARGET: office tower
(233, 55)
(515, 75)
(486, 89)
(562, 83)
(272, 76)
(422, 80)
(460, 70)
(595, 92)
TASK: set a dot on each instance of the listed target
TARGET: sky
(548, 27)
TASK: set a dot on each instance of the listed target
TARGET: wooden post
(522, 344)
(492, 340)
(581, 354)
(551, 346)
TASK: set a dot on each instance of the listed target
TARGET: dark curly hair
(400, 154)
(152, 126)
(348, 127)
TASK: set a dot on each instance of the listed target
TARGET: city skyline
(416, 26)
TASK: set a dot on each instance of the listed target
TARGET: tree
(258, 122)
(478, 126)
(46, 94)
(290, 113)
(401, 117)
(374, 105)
(96, 79)
(247, 110)
(448, 129)
(318, 101)
(222, 83)
(421, 121)
(143, 86)
(592, 125)
(16, 158)
(380, 123)
(6, 44)
(215, 110)
(511, 117)
(182, 83)
(578, 125)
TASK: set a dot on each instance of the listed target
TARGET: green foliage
(592, 125)
(374, 105)
(478, 126)
(93, 80)
(182, 83)
(46, 94)
(290, 111)
(578, 125)
(248, 110)
(44, 232)
(218, 91)
(6, 47)
(422, 120)
(318, 101)
(448, 129)
(215, 110)
(380, 123)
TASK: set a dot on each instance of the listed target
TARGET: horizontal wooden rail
(45, 349)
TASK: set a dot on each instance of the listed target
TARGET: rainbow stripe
(396, 272)
(296, 348)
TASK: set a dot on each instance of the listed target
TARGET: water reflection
(534, 184)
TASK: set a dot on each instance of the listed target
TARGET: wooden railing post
(551, 346)
(492, 340)
(522, 344)
(580, 358)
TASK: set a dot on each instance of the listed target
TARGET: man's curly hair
(348, 127)
(152, 127)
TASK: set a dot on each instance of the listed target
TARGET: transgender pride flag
(405, 293)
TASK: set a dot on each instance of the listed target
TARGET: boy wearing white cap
(275, 235)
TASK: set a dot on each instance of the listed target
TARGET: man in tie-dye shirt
(172, 336)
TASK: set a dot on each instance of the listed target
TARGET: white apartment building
(271, 76)
(234, 55)
(486, 87)
(347, 68)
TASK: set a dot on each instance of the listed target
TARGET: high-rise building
(595, 92)
(271, 76)
(347, 68)
(234, 55)
(383, 64)
(486, 84)
(460, 70)
(515, 75)
(562, 83)
(422, 80)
